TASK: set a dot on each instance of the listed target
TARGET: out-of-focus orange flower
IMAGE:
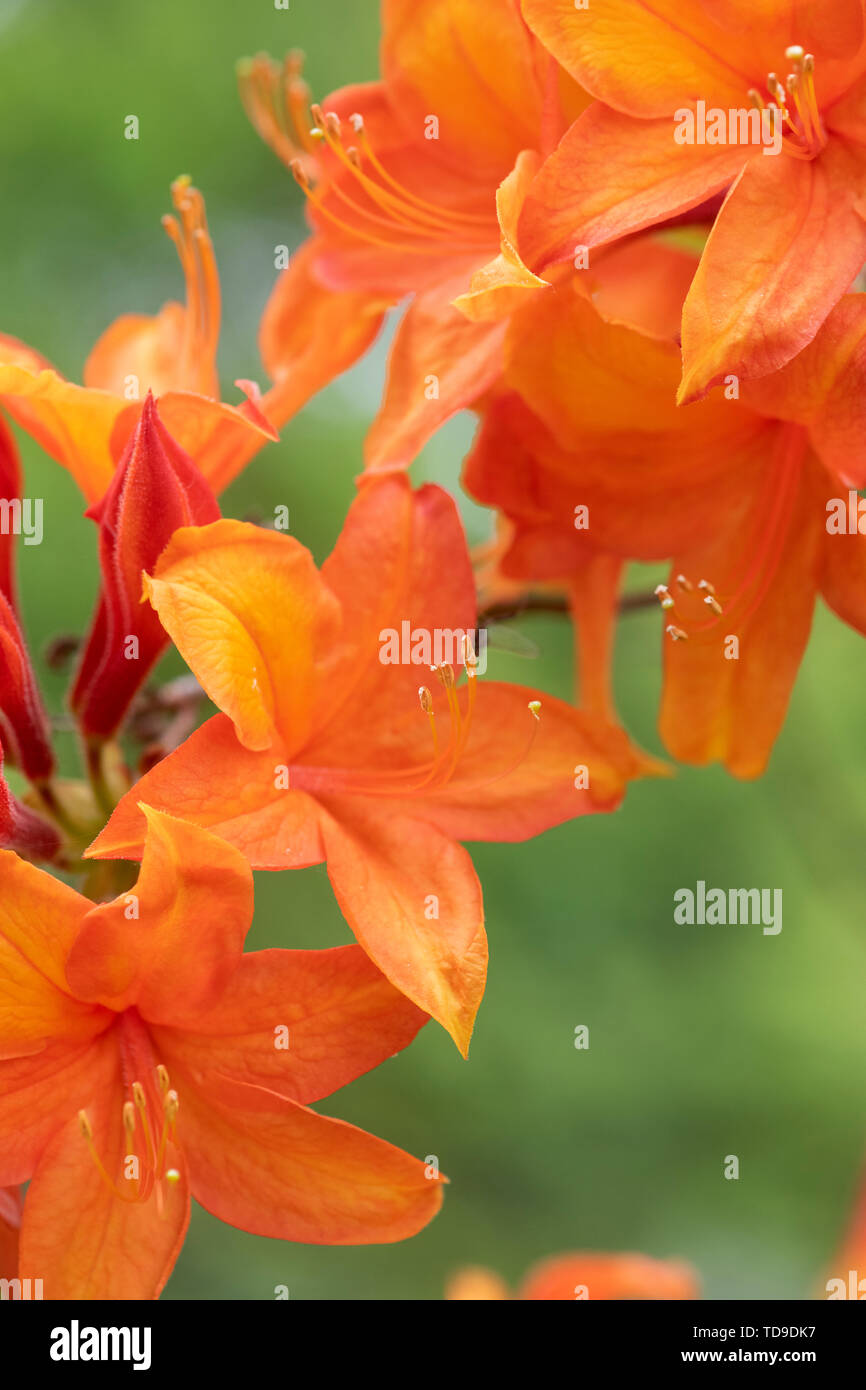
(791, 236)
(145, 1057)
(415, 184)
(585, 1276)
(155, 490)
(334, 746)
(742, 494)
(173, 354)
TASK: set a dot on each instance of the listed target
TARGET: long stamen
(189, 234)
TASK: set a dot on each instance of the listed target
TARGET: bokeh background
(703, 1041)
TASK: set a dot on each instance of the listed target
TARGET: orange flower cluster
(629, 237)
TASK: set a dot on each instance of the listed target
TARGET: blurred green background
(703, 1041)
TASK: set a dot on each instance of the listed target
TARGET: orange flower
(173, 354)
(584, 1276)
(327, 749)
(743, 495)
(408, 202)
(145, 1057)
(791, 235)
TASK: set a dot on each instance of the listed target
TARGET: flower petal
(170, 947)
(413, 901)
(439, 364)
(302, 1023)
(269, 1166)
(610, 176)
(228, 595)
(785, 247)
(77, 1235)
(644, 59)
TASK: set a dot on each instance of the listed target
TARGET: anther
(332, 124)
(676, 634)
(534, 708)
(445, 672)
(356, 120)
(712, 602)
(138, 1096)
(171, 1105)
(85, 1125)
(795, 53)
(298, 173)
(684, 583)
(162, 1078)
(664, 595)
(129, 1117)
(705, 586)
(426, 699)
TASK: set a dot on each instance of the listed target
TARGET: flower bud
(156, 489)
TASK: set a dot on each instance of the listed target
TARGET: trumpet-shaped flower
(338, 742)
(414, 186)
(688, 97)
(173, 354)
(745, 495)
(144, 1058)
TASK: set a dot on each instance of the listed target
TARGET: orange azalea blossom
(744, 495)
(173, 354)
(141, 1062)
(414, 186)
(790, 238)
(583, 1276)
(326, 749)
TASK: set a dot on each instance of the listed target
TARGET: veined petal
(610, 176)
(77, 1235)
(170, 947)
(413, 900)
(439, 364)
(71, 423)
(302, 1023)
(40, 1092)
(785, 247)
(729, 705)
(501, 285)
(309, 334)
(229, 595)
(520, 773)
(269, 1166)
(213, 780)
(645, 59)
(824, 389)
(472, 62)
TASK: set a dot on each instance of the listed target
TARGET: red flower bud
(156, 489)
(21, 829)
(10, 492)
(22, 718)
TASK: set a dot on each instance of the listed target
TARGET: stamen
(194, 247)
(797, 104)
(664, 595)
